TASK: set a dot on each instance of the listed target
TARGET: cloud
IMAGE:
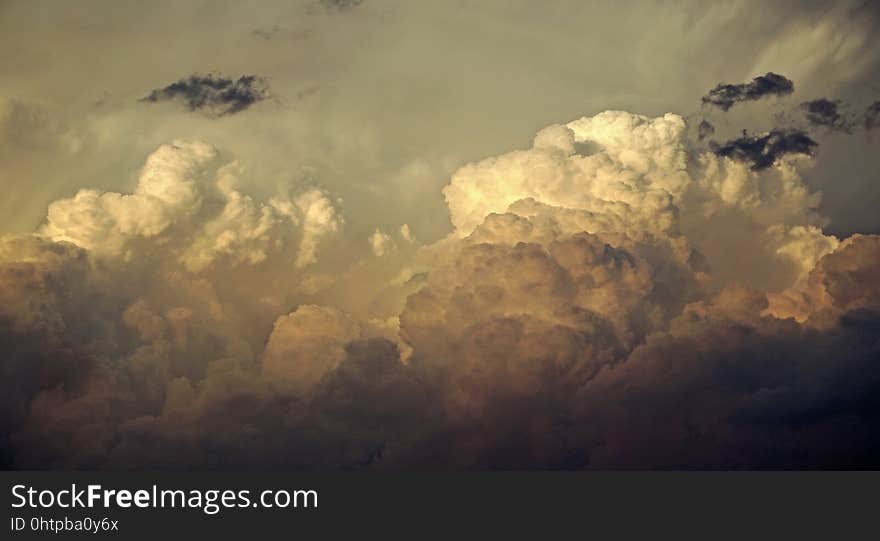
(615, 295)
(341, 5)
(705, 129)
(266, 32)
(824, 112)
(872, 116)
(213, 95)
(30, 127)
(167, 192)
(380, 242)
(763, 150)
(839, 284)
(306, 344)
(724, 96)
(630, 174)
(406, 234)
(723, 391)
(187, 200)
(639, 165)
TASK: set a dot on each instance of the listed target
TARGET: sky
(346, 234)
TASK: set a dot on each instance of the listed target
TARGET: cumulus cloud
(187, 200)
(616, 295)
(167, 192)
(380, 242)
(639, 167)
(725, 95)
(624, 173)
(838, 285)
(213, 95)
(306, 344)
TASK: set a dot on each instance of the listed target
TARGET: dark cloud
(872, 116)
(341, 4)
(724, 96)
(824, 112)
(213, 95)
(762, 151)
(722, 386)
(266, 32)
(705, 129)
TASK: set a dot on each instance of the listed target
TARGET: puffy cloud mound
(616, 164)
(188, 202)
(615, 296)
(306, 344)
(167, 192)
(841, 283)
(624, 173)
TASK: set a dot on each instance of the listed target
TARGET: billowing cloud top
(614, 295)
(187, 201)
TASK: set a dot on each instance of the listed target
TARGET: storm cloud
(188, 324)
(724, 96)
(499, 237)
(762, 150)
(213, 95)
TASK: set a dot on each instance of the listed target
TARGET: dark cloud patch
(872, 116)
(762, 151)
(341, 5)
(266, 32)
(705, 129)
(825, 113)
(755, 395)
(213, 95)
(724, 96)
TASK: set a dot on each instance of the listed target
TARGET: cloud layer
(616, 295)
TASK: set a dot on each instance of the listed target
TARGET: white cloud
(189, 204)
(380, 242)
(629, 174)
